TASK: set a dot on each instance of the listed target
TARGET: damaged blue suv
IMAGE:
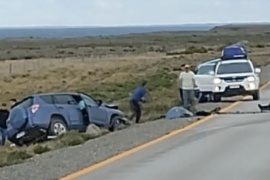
(56, 113)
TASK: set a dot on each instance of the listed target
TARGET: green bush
(260, 46)
(194, 49)
(39, 149)
(17, 156)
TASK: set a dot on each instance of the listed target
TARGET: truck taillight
(34, 108)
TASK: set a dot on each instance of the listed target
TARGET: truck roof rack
(234, 52)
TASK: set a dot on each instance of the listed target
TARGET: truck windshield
(206, 69)
(234, 68)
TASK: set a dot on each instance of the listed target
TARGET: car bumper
(11, 132)
(25, 136)
(240, 91)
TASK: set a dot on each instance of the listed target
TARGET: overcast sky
(130, 12)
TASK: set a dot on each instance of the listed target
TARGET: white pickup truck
(236, 77)
(204, 77)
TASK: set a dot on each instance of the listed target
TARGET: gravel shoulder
(58, 163)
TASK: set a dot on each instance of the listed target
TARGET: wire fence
(9, 67)
(22, 66)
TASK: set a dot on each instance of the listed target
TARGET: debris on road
(180, 112)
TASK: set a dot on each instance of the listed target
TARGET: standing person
(182, 68)
(137, 96)
(4, 113)
(188, 84)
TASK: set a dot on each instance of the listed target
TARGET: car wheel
(256, 95)
(216, 98)
(57, 126)
(114, 123)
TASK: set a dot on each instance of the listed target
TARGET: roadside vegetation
(15, 155)
(112, 79)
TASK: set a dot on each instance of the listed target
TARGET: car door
(204, 79)
(68, 106)
(97, 114)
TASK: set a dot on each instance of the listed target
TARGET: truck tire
(217, 98)
(256, 95)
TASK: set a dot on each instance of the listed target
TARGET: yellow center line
(127, 153)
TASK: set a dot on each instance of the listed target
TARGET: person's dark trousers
(3, 136)
(136, 110)
(86, 118)
(181, 95)
(3, 125)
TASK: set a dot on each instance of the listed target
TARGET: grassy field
(111, 68)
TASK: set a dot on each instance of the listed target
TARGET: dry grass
(14, 155)
(112, 79)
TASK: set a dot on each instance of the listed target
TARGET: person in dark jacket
(4, 113)
(138, 95)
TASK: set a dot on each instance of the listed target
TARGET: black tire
(57, 121)
(256, 95)
(216, 98)
(114, 123)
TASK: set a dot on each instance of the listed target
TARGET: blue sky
(130, 12)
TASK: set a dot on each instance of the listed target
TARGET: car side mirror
(257, 70)
(212, 73)
(99, 102)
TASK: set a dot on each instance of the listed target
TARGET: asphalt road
(228, 147)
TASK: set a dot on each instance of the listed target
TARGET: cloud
(108, 4)
(130, 12)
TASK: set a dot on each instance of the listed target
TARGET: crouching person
(138, 95)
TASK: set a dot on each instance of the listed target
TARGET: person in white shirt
(188, 85)
(182, 68)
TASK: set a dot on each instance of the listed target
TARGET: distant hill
(242, 28)
(77, 32)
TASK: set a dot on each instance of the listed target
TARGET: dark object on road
(207, 113)
(57, 113)
(180, 112)
(264, 107)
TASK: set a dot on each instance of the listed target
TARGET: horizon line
(121, 26)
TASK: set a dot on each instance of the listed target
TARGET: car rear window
(47, 99)
(233, 68)
(25, 103)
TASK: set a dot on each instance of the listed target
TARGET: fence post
(10, 68)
